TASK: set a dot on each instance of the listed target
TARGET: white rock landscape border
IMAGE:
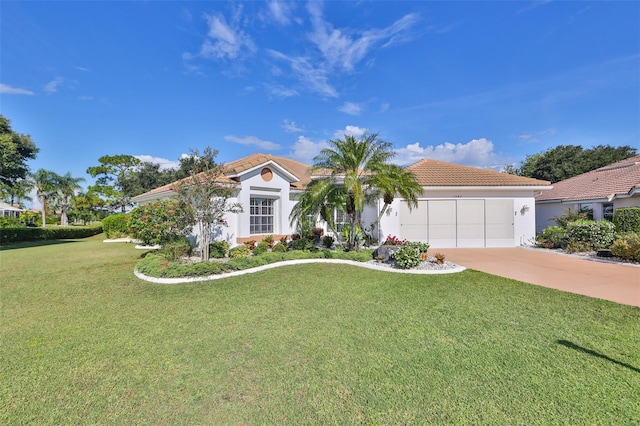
(373, 266)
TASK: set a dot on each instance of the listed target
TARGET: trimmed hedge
(16, 235)
(627, 219)
(116, 225)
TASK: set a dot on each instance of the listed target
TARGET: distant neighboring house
(598, 193)
(7, 210)
(460, 206)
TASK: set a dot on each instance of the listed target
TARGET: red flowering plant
(392, 240)
(160, 222)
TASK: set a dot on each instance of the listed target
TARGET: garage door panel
(470, 218)
(499, 222)
(442, 223)
(413, 225)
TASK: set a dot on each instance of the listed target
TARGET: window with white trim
(261, 215)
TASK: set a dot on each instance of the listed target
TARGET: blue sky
(475, 83)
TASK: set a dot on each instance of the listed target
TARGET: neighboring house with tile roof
(460, 206)
(598, 192)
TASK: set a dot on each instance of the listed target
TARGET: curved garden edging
(183, 280)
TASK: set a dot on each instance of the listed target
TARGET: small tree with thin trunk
(206, 191)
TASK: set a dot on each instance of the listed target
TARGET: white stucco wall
(253, 185)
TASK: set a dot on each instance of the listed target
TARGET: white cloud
(79, 68)
(52, 86)
(225, 40)
(290, 126)
(477, 152)
(535, 137)
(9, 90)
(85, 98)
(351, 108)
(281, 91)
(344, 50)
(314, 78)
(304, 149)
(350, 131)
(253, 141)
(164, 163)
(279, 11)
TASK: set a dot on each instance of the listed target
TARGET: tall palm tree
(67, 187)
(16, 191)
(355, 170)
(45, 183)
(394, 180)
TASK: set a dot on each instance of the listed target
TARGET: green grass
(85, 342)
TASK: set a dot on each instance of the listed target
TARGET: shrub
(218, 249)
(239, 252)
(14, 235)
(328, 241)
(155, 265)
(176, 249)
(260, 248)
(407, 257)
(302, 244)
(160, 222)
(269, 240)
(598, 234)
(116, 225)
(578, 247)
(552, 237)
(421, 247)
(627, 246)
(279, 248)
(10, 222)
(627, 219)
(569, 216)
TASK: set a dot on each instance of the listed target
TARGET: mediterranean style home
(597, 193)
(460, 206)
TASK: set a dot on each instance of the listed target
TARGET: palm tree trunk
(44, 210)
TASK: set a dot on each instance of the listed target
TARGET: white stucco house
(460, 206)
(8, 210)
(598, 192)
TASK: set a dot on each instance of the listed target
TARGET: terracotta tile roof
(438, 173)
(296, 168)
(604, 183)
(300, 170)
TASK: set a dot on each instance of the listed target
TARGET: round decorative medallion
(266, 174)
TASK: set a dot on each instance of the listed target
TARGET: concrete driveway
(614, 282)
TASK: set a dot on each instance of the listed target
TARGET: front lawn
(85, 342)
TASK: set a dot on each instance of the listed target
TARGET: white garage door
(459, 223)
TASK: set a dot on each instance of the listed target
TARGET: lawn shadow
(578, 348)
(29, 244)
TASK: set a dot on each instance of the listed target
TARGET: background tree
(147, 176)
(566, 161)
(67, 188)
(15, 150)
(113, 178)
(45, 182)
(16, 193)
(86, 205)
(207, 195)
